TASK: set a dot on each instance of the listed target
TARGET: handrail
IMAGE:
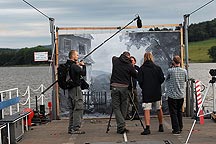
(10, 97)
(27, 94)
(28, 91)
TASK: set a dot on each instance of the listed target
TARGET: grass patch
(198, 51)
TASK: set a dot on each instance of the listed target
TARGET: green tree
(212, 53)
(24, 56)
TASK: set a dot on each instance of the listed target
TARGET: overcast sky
(22, 26)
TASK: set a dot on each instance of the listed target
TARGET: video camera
(212, 72)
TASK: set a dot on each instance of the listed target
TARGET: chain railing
(28, 94)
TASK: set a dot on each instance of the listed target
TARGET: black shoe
(161, 129)
(146, 132)
(176, 132)
(123, 131)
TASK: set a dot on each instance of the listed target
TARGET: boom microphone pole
(139, 25)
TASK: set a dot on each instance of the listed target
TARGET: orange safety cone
(201, 117)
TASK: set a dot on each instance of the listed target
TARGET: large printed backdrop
(163, 45)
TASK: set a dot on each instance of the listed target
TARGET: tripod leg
(108, 125)
(198, 113)
(136, 111)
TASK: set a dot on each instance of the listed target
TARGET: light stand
(52, 31)
(186, 24)
(211, 84)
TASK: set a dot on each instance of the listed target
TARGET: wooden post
(56, 75)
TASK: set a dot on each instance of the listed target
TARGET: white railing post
(2, 100)
(10, 106)
(42, 97)
(29, 96)
(18, 102)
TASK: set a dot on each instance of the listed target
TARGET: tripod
(211, 84)
(136, 110)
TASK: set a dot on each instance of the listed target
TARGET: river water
(21, 77)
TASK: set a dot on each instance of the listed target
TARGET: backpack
(64, 80)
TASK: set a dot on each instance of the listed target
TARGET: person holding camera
(75, 97)
(175, 81)
(122, 71)
(132, 115)
(150, 78)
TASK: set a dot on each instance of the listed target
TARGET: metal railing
(26, 99)
(9, 93)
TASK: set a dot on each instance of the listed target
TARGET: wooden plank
(113, 28)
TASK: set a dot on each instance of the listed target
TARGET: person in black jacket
(122, 72)
(132, 115)
(150, 78)
(75, 97)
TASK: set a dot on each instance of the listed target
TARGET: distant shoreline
(40, 65)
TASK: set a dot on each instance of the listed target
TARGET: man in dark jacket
(150, 78)
(75, 97)
(120, 79)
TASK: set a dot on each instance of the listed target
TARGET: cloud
(20, 20)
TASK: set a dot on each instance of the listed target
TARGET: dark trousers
(75, 104)
(134, 96)
(175, 109)
(119, 104)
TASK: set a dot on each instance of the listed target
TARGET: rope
(29, 96)
(27, 100)
(34, 90)
(25, 93)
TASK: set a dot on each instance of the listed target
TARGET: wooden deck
(55, 132)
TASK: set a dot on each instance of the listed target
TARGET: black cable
(109, 38)
(201, 7)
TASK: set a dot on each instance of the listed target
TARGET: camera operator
(122, 71)
(175, 80)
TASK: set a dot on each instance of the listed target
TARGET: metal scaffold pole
(53, 62)
(186, 17)
(189, 95)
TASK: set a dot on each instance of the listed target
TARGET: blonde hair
(148, 56)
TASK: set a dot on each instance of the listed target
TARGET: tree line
(202, 31)
(196, 32)
(24, 56)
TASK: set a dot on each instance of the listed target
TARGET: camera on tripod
(212, 72)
